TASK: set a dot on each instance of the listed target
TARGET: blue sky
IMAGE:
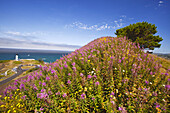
(70, 24)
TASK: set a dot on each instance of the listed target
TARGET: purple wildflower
(58, 93)
(23, 97)
(42, 95)
(65, 66)
(41, 109)
(49, 92)
(93, 98)
(167, 86)
(15, 83)
(97, 83)
(55, 76)
(40, 83)
(43, 84)
(73, 63)
(113, 102)
(68, 82)
(119, 61)
(166, 74)
(157, 105)
(47, 78)
(82, 96)
(52, 71)
(146, 82)
(145, 89)
(69, 74)
(151, 73)
(22, 86)
(89, 76)
(168, 79)
(42, 90)
(64, 95)
(94, 76)
(112, 93)
(81, 74)
(120, 109)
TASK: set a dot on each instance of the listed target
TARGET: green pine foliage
(142, 33)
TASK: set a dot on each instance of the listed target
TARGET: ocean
(45, 55)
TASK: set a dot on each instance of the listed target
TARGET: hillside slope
(107, 75)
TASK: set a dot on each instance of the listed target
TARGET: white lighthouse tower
(16, 57)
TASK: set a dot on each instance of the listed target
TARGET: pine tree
(142, 33)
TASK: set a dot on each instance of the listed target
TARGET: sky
(71, 24)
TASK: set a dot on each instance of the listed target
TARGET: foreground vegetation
(107, 75)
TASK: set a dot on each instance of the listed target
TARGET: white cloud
(24, 44)
(161, 2)
(92, 27)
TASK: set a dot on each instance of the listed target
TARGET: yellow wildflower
(85, 89)
(2, 106)
(17, 89)
(9, 111)
(5, 98)
(0, 96)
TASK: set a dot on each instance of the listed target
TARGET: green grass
(4, 61)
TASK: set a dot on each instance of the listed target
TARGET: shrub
(107, 75)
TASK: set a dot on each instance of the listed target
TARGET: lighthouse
(16, 57)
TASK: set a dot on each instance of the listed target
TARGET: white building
(16, 57)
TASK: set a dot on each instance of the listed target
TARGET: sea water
(46, 57)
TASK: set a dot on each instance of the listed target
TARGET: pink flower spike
(68, 82)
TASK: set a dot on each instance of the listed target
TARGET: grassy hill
(107, 75)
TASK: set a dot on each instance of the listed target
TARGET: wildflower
(119, 61)
(41, 109)
(55, 76)
(151, 73)
(81, 74)
(146, 82)
(94, 76)
(168, 79)
(58, 93)
(17, 89)
(157, 105)
(0, 96)
(22, 86)
(2, 106)
(97, 83)
(69, 74)
(166, 74)
(89, 76)
(40, 83)
(167, 86)
(24, 97)
(82, 96)
(93, 98)
(85, 89)
(47, 78)
(65, 66)
(112, 93)
(113, 102)
(64, 95)
(120, 109)
(43, 84)
(73, 63)
(68, 82)
(42, 90)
